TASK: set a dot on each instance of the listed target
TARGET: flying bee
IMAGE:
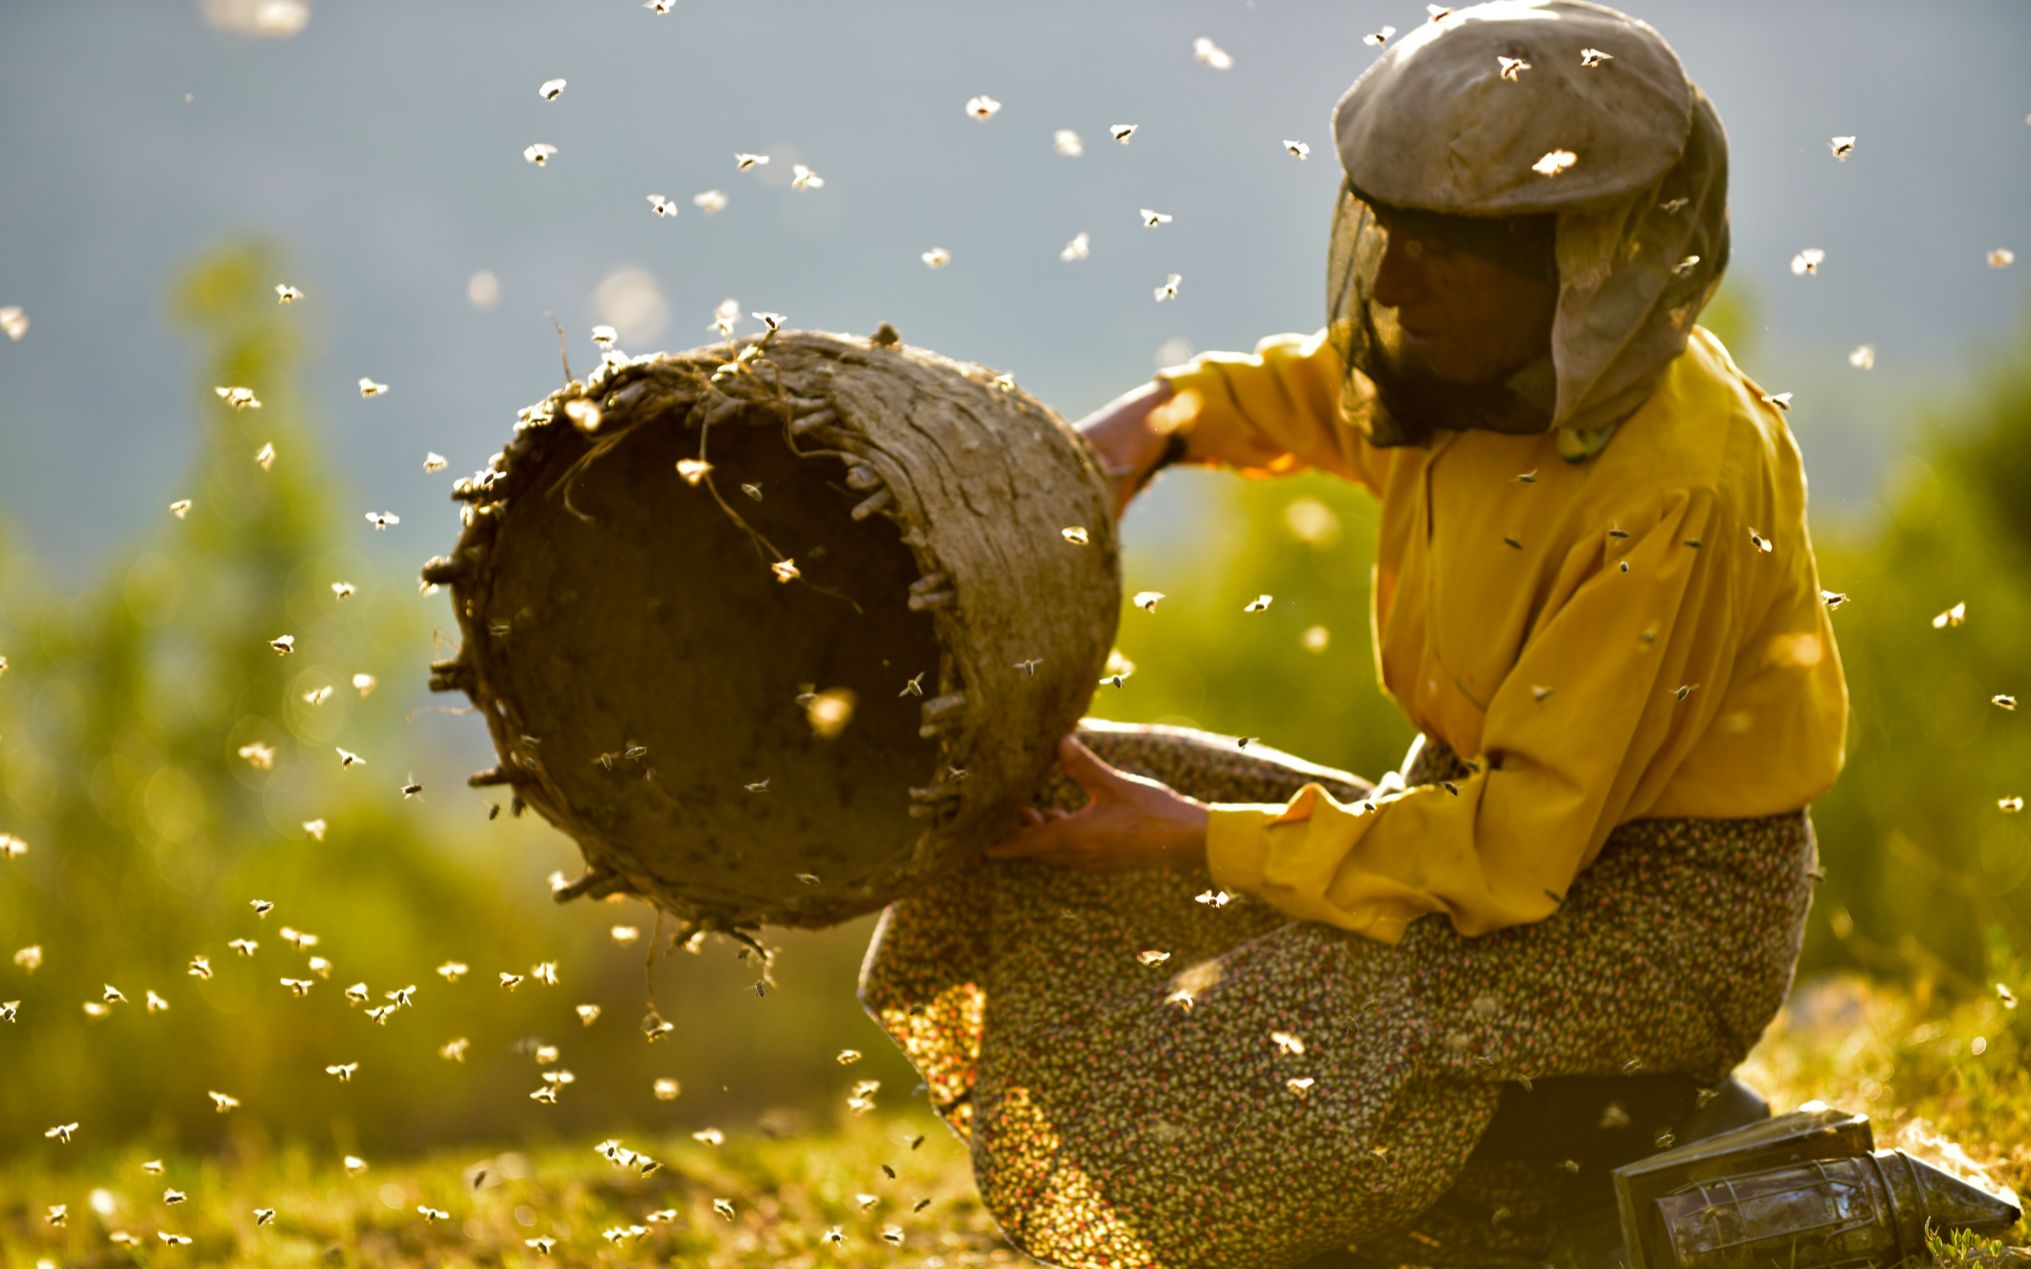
(510, 981)
(1297, 149)
(1379, 38)
(369, 389)
(1510, 67)
(1258, 604)
(1029, 666)
(1591, 58)
(382, 519)
(223, 1102)
(550, 89)
(244, 947)
(349, 759)
(298, 987)
(982, 107)
(1842, 147)
(1169, 289)
(539, 153)
(1151, 219)
(343, 1070)
(1122, 131)
(411, 789)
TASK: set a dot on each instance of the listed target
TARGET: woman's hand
(1131, 822)
(1129, 445)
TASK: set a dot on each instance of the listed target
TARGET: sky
(380, 146)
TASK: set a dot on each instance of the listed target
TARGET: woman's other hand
(1129, 444)
(1131, 822)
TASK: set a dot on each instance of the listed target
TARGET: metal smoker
(1807, 1190)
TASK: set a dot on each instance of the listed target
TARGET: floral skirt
(1147, 1079)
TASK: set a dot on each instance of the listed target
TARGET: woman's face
(1465, 318)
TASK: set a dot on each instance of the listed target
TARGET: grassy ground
(1915, 1064)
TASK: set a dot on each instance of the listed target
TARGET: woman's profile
(1226, 1008)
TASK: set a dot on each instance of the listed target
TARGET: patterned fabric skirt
(1146, 1079)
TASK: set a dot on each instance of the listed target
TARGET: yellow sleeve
(1269, 413)
(1554, 775)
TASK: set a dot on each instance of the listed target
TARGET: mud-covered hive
(778, 628)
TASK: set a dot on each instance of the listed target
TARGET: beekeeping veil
(1599, 141)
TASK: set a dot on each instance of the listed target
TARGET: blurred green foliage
(128, 699)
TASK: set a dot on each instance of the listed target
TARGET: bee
(431, 1215)
(1590, 58)
(1685, 267)
(915, 686)
(380, 1014)
(1760, 542)
(382, 519)
(1205, 50)
(1258, 604)
(758, 786)
(1302, 1086)
(9, 1010)
(510, 981)
(1842, 147)
(921, 1204)
(344, 1071)
(1151, 219)
(723, 1207)
(222, 1102)
(541, 1246)
(1169, 290)
(982, 107)
(550, 89)
(353, 1165)
(1526, 478)
(659, 7)
(1782, 400)
(298, 987)
(665, 1090)
(239, 398)
(1122, 132)
(1213, 898)
(1297, 149)
(357, 994)
(1029, 667)
(1863, 357)
(545, 972)
(1379, 38)
(200, 967)
(1287, 1043)
(173, 1240)
(1067, 143)
(1833, 598)
(349, 759)
(588, 1014)
(369, 389)
(1540, 693)
(937, 258)
(265, 456)
(411, 789)
(1683, 690)
(1953, 616)
(1806, 263)
(404, 997)
(1512, 543)
(2001, 258)
(1554, 162)
(1147, 600)
(264, 1216)
(1510, 67)
(539, 153)
(711, 202)
(546, 1095)
(453, 1050)
(244, 947)
(804, 178)
(61, 1133)
(283, 644)
(2003, 700)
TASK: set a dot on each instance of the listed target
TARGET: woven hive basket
(645, 661)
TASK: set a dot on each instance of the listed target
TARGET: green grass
(1904, 1055)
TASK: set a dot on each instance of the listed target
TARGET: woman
(1594, 595)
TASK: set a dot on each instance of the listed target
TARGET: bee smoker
(1807, 1190)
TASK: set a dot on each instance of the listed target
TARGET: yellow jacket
(1700, 680)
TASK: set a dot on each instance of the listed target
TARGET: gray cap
(1436, 124)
